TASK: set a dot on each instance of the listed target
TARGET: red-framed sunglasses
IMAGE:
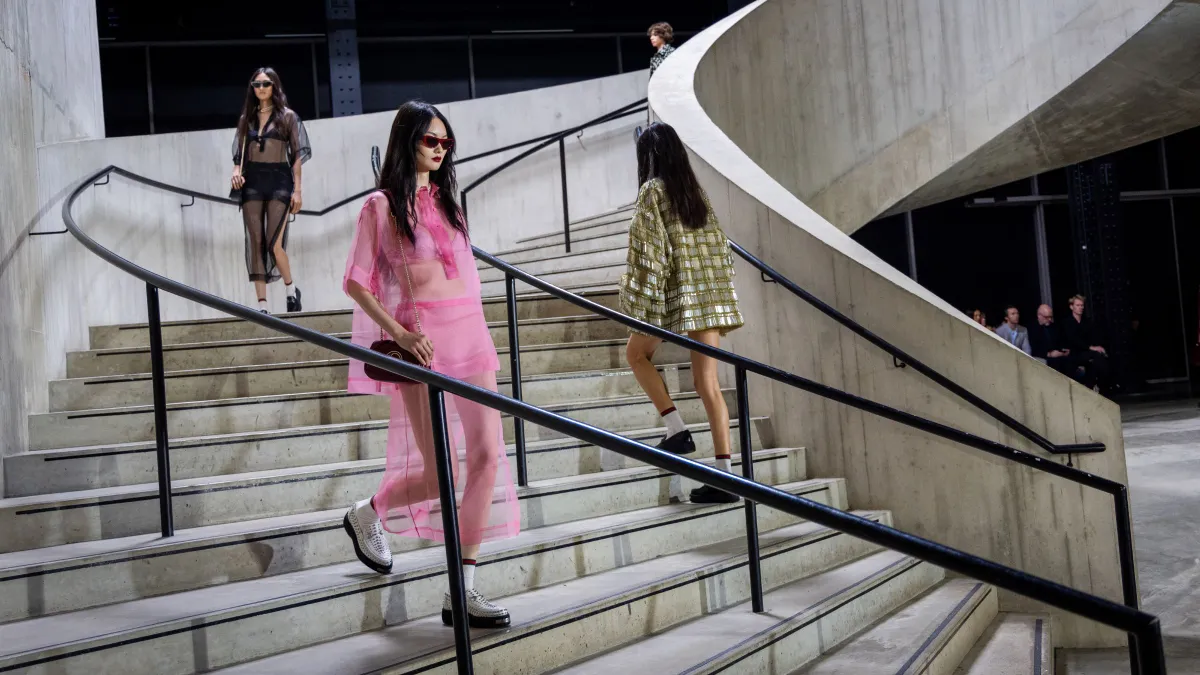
(430, 141)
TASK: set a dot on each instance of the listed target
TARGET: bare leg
(704, 374)
(638, 352)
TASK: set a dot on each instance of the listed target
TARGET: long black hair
(398, 173)
(250, 107)
(660, 154)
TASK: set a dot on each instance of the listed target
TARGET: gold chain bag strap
(390, 347)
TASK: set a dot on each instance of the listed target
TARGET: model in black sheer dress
(268, 149)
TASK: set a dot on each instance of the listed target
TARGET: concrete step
(573, 261)
(131, 424)
(1014, 644)
(802, 619)
(88, 468)
(530, 307)
(607, 224)
(535, 358)
(78, 576)
(600, 277)
(581, 244)
(556, 623)
(72, 517)
(930, 635)
(207, 384)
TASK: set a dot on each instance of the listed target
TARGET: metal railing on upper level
(1144, 629)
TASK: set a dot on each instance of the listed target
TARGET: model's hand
(297, 202)
(419, 345)
(237, 181)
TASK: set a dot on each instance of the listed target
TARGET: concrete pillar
(49, 93)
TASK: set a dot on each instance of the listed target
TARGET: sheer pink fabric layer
(447, 293)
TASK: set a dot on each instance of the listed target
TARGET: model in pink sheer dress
(413, 218)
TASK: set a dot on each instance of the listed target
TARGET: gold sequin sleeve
(647, 265)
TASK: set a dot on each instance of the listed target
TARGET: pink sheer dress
(447, 289)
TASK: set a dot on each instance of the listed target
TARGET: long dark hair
(398, 173)
(660, 154)
(250, 107)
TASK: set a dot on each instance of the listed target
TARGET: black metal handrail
(1144, 629)
(560, 138)
(908, 360)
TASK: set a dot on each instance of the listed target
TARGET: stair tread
(347, 427)
(252, 342)
(716, 637)
(911, 633)
(219, 602)
(585, 290)
(532, 611)
(340, 362)
(332, 393)
(1014, 644)
(207, 483)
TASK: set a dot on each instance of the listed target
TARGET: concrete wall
(68, 289)
(851, 105)
(49, 92)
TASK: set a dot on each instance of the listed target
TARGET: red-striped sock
(468, 574)
(724, 463)
(675, 423)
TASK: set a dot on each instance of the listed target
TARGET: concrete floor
(1162, 444)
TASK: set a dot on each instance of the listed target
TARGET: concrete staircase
(612, 570)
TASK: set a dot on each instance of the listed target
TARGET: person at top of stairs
(412, 276)
(679, 276)
(268, 149)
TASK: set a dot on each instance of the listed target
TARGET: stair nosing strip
(943, 625)
(325, 475)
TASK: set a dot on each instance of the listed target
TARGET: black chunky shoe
(707, 494)
(679, 444)
(293, 302)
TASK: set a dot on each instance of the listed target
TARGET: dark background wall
(170, 67)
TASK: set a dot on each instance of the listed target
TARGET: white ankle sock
(674, 423)
(724, 463)
(291, 289)
(262, 304)
(468, 577)
(366, 510)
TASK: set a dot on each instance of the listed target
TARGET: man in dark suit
(1047, 345)
(1082, 338)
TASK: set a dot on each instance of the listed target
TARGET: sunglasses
(261, 84)
(430, 141)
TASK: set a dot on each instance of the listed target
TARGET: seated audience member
(1082, 337)
(1012, 330)
(980, 318)
(1046, 343)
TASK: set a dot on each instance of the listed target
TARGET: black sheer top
(282, 142)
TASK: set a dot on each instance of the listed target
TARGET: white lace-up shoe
(370, 542)
(481, 612)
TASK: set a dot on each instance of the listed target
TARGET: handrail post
(562, 166)
(166, 513)
(454, 572)
(514, 361)
(1151, 659)
(1128, 563)
(745, 441)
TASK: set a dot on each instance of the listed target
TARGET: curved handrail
(1143, 628)
(911, 361)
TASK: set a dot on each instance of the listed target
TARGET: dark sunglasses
(430, 141)
(261, 84)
